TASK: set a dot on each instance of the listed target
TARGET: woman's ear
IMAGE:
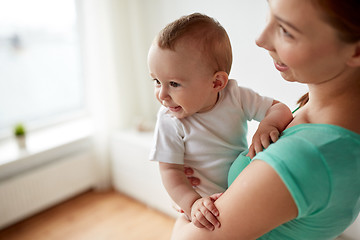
(354, 61)
(220, 80)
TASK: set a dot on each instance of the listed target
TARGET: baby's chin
(180, 114)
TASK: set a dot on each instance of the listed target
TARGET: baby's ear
(354, 61)
(220, 80)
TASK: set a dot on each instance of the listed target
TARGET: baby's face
(183, 82)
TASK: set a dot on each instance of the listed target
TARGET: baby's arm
(276, 120)
(204, 212)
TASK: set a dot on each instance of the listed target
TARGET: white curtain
(115, 71)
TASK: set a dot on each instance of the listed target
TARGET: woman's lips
(280, 66)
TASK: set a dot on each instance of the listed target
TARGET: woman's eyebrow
(287, 23)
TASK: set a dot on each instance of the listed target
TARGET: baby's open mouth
(174, 109)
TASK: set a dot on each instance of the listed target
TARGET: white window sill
(44, 146)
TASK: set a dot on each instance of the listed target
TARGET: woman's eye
(285, 32)
(174, 84)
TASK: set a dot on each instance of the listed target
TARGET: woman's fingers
(177, 208)
(188, 171)
(194, 181)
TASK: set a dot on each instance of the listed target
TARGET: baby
(203, 119)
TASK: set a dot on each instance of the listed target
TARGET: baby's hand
(263, 137)
(204, 212)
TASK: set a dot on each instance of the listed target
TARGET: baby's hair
(205, 33)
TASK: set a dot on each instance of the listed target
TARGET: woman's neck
(333, 103)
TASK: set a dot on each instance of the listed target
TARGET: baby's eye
(157, 82)
(174, 84)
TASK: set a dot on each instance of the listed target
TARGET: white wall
(134, 24)
(243, 20)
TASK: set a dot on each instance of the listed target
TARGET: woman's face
(304, 47)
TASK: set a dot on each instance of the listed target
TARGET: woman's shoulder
(308, 150)
(322, 135)
(307, 142)
(316, 163)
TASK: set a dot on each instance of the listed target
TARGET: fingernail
(195, 182)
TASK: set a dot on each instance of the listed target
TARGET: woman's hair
(205, 33)
(344, 16)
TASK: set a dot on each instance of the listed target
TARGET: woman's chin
(287, 77)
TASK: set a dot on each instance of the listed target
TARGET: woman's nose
(259, 40)
(264, 40)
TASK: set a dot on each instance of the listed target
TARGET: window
(40, 70)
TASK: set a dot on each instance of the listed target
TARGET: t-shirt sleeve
(303, 170)
(254, 105)
(168, 144)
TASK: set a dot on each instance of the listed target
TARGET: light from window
(40, 70)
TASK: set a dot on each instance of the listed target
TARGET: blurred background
(73, 74)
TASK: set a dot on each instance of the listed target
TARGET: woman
(307, 184)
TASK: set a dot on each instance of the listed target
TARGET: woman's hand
(204, 212)
(194, 181)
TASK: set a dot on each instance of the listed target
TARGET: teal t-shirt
(320, 165)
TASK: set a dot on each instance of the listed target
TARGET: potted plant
(20, 134)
